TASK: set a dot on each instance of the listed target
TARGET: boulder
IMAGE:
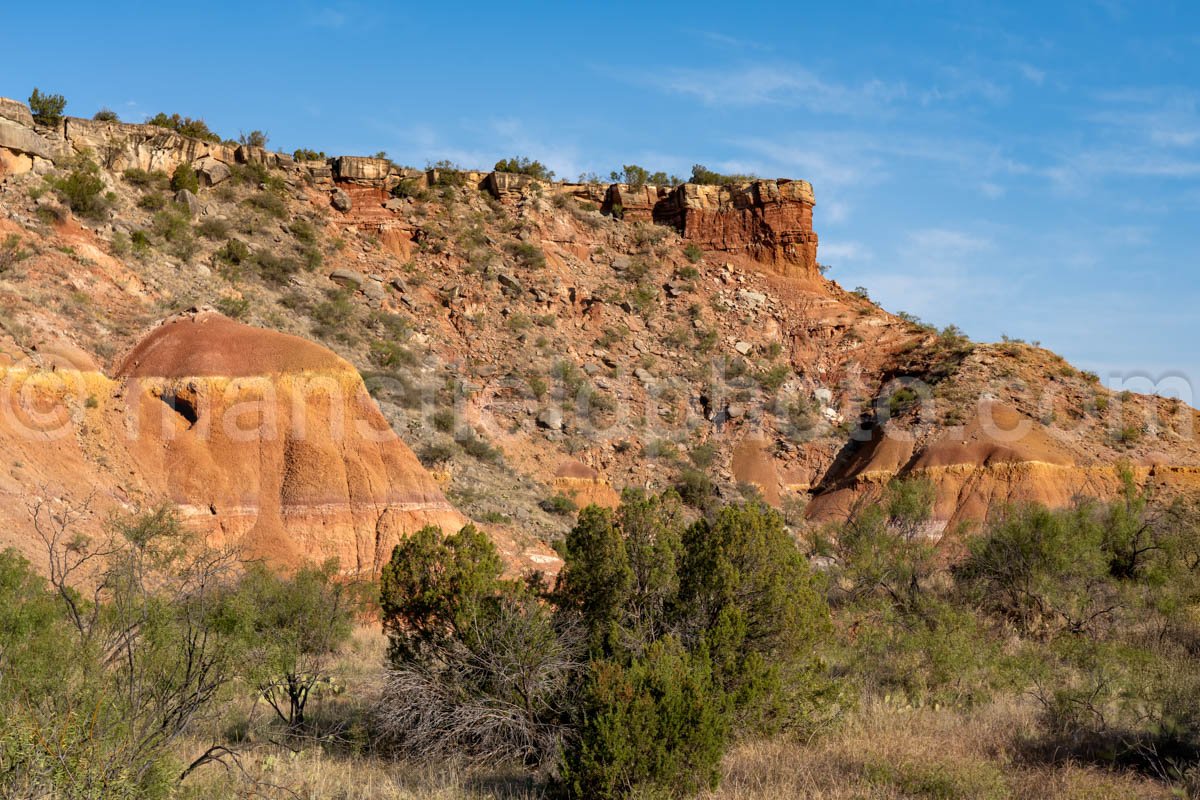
(16, 111)
(348, 278)
(550, 419)
(340, 200)
(21, 139)
(509, 283)
(374, 291)
(210, 171)
(185, 198)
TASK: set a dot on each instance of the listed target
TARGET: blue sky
(1030, 170)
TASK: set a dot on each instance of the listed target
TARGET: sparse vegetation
(82, 188)
(520, 165)
(186, 126)
(12, 252)
(184, 178)
(701, 174)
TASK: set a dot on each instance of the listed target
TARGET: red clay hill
(264, 440)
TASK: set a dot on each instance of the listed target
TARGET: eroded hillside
(525, 339)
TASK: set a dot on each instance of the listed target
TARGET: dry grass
(879, 752)
(888, 752)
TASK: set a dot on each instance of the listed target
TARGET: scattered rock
(510, 283)
(550, 419)
(374, 290)
(643, 376)
(743, 347)
(736, 410)
(340, 200)
(752, 299)
(348, 277)
(677, 288)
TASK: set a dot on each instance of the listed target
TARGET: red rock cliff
(769, 220)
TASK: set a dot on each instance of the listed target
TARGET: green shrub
(275, 268)
(528, 254)
(90, 710)
(186, 126)
(233, 307)
(234, 252)
(152, 201)
(392, 355)
(139, 242)
(477, 447)
(47, 109)
(774, 377)
(304, 154)
(657, 726)
(294, 625)
(520, 165)
(695, 488)
(701, 174)
(213, 228)
(106, 115)
(443, 420)
(693, 252)
(82, 188)
(436, 453)
(11, 252)
(476, 667)
(184, 177)
(559, 504)
(270, 202)
(631, 174)
(253, 139)
(143, 179)
(303, 230)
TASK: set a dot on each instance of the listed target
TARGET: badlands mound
(265, 441)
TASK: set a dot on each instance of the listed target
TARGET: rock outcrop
(767, 220)
(770, 221)
(584, 485)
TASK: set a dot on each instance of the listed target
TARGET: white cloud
(943, 243)
(1032, 74)
(778, 85)
(832, 252)
(327, 18)
(835, 211)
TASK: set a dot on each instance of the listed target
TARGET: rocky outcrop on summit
(770, 221)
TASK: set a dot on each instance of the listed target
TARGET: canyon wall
(769, 221)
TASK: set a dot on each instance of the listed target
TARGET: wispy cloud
(331, 18)
(834, 252)
(726, 41)
(1032, 74)
(781, 84)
